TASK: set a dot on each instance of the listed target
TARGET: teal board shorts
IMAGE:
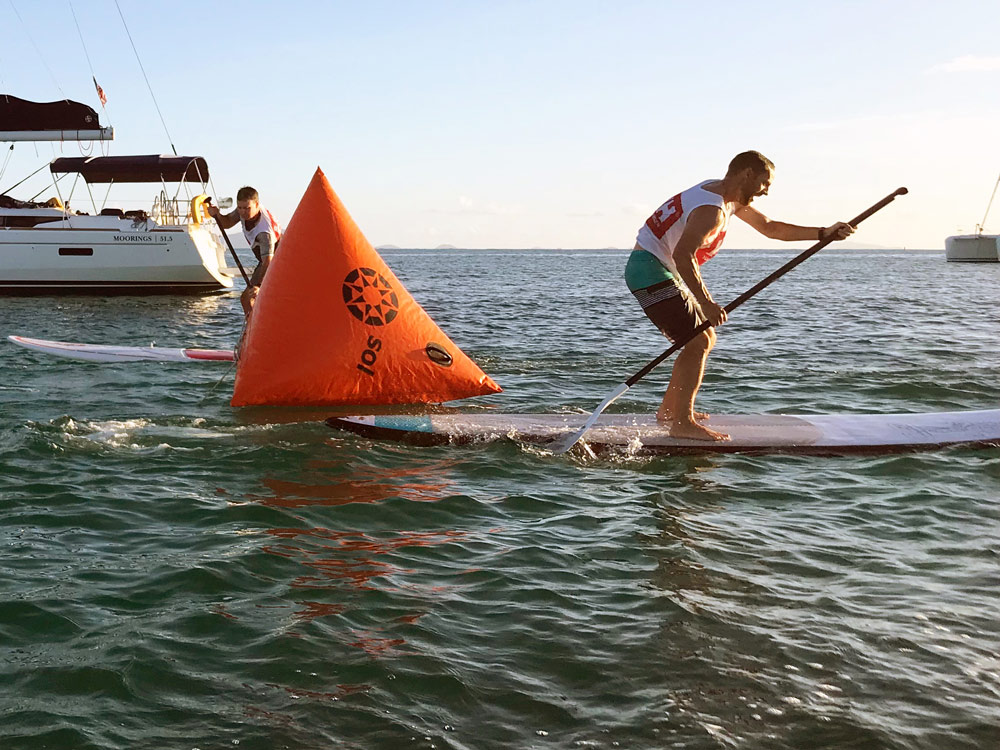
(667, 304)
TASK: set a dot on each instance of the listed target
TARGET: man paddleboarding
(663, 273)
(262, 233)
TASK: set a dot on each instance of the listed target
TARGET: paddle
(230, 245)
(565, 445)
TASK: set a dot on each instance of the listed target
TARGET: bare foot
(665, 417)
(694, 431)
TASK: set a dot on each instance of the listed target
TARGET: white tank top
(662, 230)
(265, 225)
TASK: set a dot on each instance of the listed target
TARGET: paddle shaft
(231, 249)
(800, 258)
(565, 445)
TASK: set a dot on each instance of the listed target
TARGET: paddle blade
(563, 446)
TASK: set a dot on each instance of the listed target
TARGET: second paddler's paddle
(564, 445)
(231, 248)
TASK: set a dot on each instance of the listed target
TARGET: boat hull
(973, 248)
(106, 255)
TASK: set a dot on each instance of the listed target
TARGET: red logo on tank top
(274, 226)
(707, 253)
(665, 217)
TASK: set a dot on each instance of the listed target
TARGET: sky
(552, 123)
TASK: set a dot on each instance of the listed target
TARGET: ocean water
(179, 574)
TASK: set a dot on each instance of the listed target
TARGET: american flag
(100, 93)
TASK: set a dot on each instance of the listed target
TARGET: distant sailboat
(978, 247)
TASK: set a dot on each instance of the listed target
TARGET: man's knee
(704, 341)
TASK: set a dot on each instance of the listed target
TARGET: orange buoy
(332, 324)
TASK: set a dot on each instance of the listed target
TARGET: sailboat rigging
(978, 247)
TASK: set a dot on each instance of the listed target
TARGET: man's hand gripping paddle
(564, 445)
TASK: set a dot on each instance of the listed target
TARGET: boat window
(24, 222)
(76, 251)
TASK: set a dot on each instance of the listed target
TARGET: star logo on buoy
(369, 297)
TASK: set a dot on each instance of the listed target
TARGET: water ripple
(181, 574)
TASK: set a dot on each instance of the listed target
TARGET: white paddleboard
(103, 353)
(641, 434)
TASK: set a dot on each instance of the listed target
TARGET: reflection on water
(352, 557)
(680, 535)
(346, 568)
(377, 484)
(312, 610)
(186, 570)
(342, 691)
(376, 646)
(716, 685)
(287, 718)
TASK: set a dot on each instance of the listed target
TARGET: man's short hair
(247, 194)
(754, 160)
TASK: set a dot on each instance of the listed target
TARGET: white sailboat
(978, 247)
(48, 247)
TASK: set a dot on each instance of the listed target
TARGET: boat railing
(167, 210)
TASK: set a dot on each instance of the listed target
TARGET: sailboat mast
(982, 225)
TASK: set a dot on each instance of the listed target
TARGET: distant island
(397, 247)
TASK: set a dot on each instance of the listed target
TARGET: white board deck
(641, 434)
(105, 353)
